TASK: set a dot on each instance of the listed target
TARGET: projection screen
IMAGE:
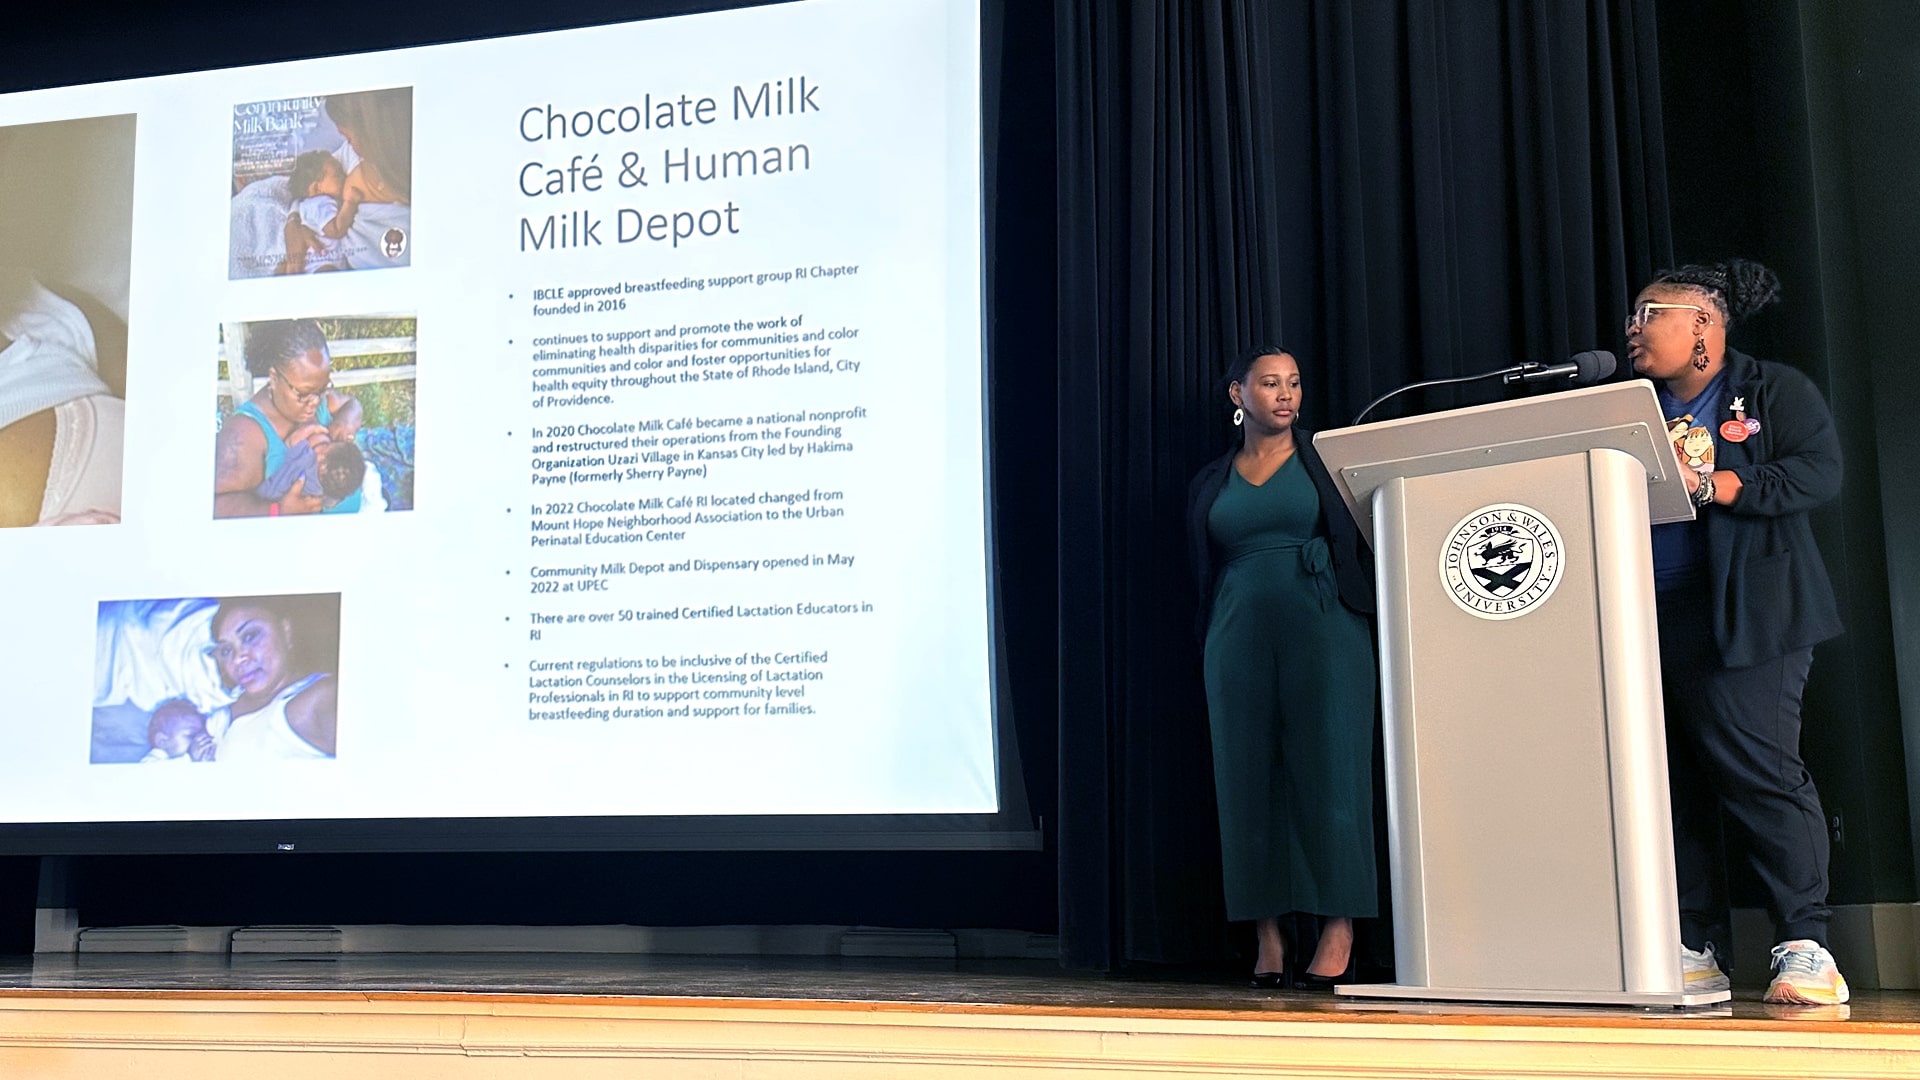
(574, 439)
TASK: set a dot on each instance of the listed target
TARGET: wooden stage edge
(61, 1033)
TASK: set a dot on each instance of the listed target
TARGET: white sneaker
(1804, 974)
(1700, 972)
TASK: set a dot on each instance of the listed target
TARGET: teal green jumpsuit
(1290, 698)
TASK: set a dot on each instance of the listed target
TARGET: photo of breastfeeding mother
(377, 126)
(300, 434)
(294, 419)
(322, 183)
(228, 679)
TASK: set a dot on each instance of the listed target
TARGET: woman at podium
(1742, 598)
(1286, 586)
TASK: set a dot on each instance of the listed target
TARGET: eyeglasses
(1645, 311)
(301, 397)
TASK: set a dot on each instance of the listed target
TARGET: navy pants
(1733, 757)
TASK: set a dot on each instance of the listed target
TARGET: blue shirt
(277, 448)
(1680, 547)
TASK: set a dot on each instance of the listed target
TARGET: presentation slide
(578, 424)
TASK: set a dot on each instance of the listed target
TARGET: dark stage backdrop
(1395, 191)
(1406, 189)
(1794, 135)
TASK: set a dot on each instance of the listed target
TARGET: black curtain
(1794, 138)
(1394, 189)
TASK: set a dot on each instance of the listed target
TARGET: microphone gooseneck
(1581, 369)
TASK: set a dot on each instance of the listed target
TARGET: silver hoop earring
(1239, 417)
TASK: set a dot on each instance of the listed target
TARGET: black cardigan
(1352, 555)
(1770, 590)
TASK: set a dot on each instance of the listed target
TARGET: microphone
(1582, 369)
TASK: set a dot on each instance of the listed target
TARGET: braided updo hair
(273, 344)
(1737, 287)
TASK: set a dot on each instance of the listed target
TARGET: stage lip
(807, 832)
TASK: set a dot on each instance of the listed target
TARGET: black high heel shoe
(1324, 984)
(1289, 966)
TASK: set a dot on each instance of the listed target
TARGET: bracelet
(1703, 495)
(273, 509)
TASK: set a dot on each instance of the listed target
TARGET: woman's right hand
(297, 501)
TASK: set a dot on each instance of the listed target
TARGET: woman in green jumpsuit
(1287, 588)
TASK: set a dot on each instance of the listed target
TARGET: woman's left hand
(1726, 486)
(312, 434)
(346, 415)
(300, 241)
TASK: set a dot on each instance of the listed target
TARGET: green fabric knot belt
(1316, 558)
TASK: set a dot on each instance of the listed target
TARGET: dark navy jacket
(1352, 555)
(1770, 590)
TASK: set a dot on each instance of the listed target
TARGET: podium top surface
(1619, 416)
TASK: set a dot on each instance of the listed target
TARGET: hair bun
(1750, 286)
(1739, 287)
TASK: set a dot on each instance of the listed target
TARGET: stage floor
(448, 1015)
(1020, 985)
